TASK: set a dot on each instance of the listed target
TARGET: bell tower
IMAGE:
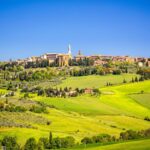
(69, 51)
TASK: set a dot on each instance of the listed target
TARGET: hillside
(132, 145)
(113, 112)
(95, 81)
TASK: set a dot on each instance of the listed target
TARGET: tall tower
(69, 51)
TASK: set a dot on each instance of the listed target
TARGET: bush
(147, 118)
(45, 142)
(65, 142)
(20, 109)
(129, 135)
(12, 108)
(40, 145)
(30, 144)
(102, 138)
(26, 95)
(10, 143)
(56, 143)
(38, 109)
(86, 140)
(116, 72)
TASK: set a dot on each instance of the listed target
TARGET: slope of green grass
(143, 99)
(132, 145)
(71, 124)
(118, 102)
(113, 112)
(85, 104)
(121, 98)
(95, 81)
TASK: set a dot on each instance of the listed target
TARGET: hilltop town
(77, 101)
(66, 59)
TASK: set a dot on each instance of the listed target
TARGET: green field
(132, 145)
(121, 98)
(114, 100)
(143, 99)
(119, 108)
(95, 81)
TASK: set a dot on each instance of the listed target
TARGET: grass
(131, 145)
(95, 81)
(113, 112)
(72, 124)
(86, 104)
(143, 99)
(118, 102)
(121, 98)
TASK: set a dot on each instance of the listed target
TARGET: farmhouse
(88, 91)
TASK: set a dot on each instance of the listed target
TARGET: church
(62, 59)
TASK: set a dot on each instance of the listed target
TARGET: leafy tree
(10, 143)
(116, 72)
(132, 80)
(56, 143)
(124, 81)
(68, 141)
(45, 142)
(40, 145)
(26, 95)
(30, 144)
(50, 139)
(136, 79)
(86, 140)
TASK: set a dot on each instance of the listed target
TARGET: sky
(106, 27)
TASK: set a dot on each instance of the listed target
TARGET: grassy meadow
(143, 99)
(119, 108)
(131, 145)
(114, 100)
(95, 81)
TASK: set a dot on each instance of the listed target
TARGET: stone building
(63, 60)
(51, 57)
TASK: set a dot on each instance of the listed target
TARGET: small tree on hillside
(50, 139)
(40, 145)
(136, 79)
(124, 81)
(10, 143)
(30, 144)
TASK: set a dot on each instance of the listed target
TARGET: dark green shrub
(30, 144)
(10, 143)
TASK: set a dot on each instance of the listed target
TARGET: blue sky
(34, 27)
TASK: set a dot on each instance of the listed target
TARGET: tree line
(66, 142)
(145, 73)
(124, 136)
(9, 107)
(61, 92)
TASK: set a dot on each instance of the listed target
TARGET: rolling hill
(113, 112)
